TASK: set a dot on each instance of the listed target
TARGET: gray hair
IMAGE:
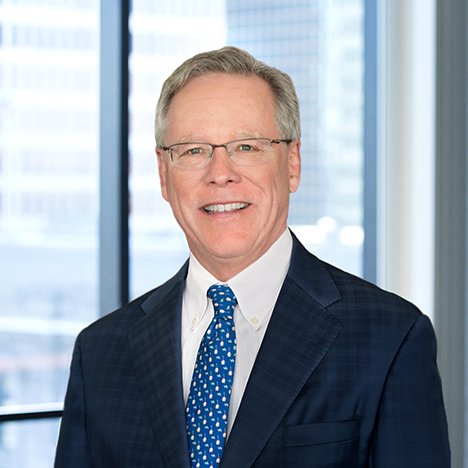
(236, 62)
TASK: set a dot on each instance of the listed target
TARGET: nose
(221, 169)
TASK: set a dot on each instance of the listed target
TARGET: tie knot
(223, 299)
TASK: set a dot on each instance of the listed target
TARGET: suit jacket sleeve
(72, 449)
(411, 429)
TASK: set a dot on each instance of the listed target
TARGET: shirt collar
(266, 275)
(196, 286)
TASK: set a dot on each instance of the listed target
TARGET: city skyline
(49, 160)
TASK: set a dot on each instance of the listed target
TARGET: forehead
(224, 82)
(225, 103)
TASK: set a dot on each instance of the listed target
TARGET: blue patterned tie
(210, 391)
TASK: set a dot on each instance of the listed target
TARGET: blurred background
(83, 227)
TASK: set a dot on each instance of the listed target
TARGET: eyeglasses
(248, 152)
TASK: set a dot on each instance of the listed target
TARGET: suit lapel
(155, 346)
(299, 334)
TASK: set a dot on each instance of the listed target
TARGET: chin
(228, 249)
(232, 249)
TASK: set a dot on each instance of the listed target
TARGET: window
(49, 207)
(320, 44)
(49, 210)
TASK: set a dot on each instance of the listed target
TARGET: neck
(225, 268)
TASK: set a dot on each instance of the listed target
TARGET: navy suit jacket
(346, 377)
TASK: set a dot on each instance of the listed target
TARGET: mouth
(225, 208)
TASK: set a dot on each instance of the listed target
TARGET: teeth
(227, 207)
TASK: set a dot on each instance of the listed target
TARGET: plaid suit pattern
(345, 377)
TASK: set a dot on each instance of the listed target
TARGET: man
(256, 353)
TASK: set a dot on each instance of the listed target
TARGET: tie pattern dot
(210, 391)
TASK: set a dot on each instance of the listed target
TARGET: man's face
(217, 109)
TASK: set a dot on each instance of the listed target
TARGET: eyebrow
(190, 139)
(197, 139)
(249, 135)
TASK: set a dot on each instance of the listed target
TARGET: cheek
(281, 184)
(281, 194)
(271, 185)
(180, 192)
(174, 197)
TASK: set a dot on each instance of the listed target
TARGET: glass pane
(48, 195)
(162, 38)
(320, 45)
(28, 444)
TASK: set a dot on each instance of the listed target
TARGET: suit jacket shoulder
(348, 297)
(124, 403)
(121, 320)
(354, 382)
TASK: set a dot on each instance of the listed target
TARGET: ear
(162, 172)
(294, 162)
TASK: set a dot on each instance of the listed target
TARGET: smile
(225, 208)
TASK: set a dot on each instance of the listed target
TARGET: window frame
(115, 45)
(113, 180)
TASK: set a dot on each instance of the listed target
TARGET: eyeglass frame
(223, 145)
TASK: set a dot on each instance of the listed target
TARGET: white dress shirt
(251, 315)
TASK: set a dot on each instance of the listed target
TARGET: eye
(189, 151)
(245, 148)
